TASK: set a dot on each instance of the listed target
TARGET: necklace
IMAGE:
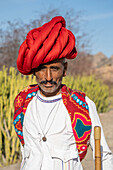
(44, 138)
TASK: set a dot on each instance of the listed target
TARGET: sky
(97, 14)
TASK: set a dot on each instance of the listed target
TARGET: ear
(65, 69)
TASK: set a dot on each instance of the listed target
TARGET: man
(55, 124)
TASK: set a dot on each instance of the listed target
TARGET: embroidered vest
(76, 106)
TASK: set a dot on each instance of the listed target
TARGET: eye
(54, 68)
(42, 68)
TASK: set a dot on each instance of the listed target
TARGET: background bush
(94, 89)
(10, 85)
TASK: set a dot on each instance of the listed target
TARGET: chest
(47, 118)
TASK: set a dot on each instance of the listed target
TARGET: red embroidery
(76, 112)
(19, 126)
(19, 100)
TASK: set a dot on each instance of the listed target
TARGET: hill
(103, 68)
(97, 64)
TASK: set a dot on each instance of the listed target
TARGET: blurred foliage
(94, 89)
(12, 83)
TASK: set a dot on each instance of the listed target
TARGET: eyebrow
(54, 67)
(44, 66)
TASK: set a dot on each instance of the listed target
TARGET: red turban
(44, 44)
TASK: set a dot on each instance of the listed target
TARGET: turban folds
(44, 44)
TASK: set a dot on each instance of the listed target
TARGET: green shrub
(12, 83)
(94, 89)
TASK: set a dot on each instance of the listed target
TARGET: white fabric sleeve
(22, 151)
(106, 154)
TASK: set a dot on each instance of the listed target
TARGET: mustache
(50, 81)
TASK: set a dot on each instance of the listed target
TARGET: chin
(50, 91)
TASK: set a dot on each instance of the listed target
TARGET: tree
(15, 32)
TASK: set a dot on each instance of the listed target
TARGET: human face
(49, 77)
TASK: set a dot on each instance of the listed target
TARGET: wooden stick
(97, 137)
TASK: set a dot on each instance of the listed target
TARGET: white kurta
(47, 116)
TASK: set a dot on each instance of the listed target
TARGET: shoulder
(90, 102)
(19, 99)
(71, 92)
(80, 93)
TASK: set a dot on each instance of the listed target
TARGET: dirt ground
(88, 164)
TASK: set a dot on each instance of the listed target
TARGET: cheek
(39, 76)
(58, 77)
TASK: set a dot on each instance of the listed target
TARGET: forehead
(55, 63)
(52, 64)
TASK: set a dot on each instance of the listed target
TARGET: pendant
(44, 139)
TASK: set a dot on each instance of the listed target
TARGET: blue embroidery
(80, 128)
(18, 132)
(80, 102)
(31, 95)
(19, 117)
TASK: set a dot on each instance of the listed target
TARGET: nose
(48, 75)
